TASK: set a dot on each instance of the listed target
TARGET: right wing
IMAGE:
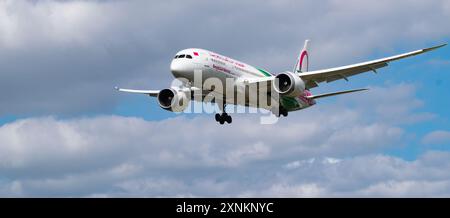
(152, 93)
(312, 78)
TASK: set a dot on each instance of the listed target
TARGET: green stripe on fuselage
(289, 103)
(264, 72)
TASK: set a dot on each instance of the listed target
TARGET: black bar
(261, 207)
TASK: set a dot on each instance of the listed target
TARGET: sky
(65, 131)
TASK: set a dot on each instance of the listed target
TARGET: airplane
(291, 87)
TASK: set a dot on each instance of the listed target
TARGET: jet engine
(173, 100)
(288, 84)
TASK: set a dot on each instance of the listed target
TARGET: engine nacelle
(289, 84)
(173, 100)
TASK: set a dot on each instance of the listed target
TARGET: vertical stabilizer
(302, 63)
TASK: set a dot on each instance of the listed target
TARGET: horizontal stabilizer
(335, 93)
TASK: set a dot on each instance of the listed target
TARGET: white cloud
(303, 190)
(309, 154)
(393, 105)
(437, 137)
(72, 145)
(363, 176)
(408, 189)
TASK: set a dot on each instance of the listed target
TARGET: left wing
(312, 78)
(152, 93)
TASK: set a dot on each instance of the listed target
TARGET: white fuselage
(213, 65)
(209, 62)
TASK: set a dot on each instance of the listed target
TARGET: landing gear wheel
(279, 112)
(228, 118)
(218, 117)
(222, 118)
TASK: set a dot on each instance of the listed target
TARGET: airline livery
(210, 77)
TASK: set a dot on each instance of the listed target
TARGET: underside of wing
(312, 78)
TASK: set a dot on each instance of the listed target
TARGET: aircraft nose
(176, 66)
(180, 68)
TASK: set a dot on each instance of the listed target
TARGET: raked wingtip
(435, 47)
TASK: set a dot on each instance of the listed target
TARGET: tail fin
(302, 63)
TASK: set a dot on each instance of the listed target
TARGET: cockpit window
(183, 56)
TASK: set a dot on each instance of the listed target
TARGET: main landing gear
(281, 111)
(222, 118)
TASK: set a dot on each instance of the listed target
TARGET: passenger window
(188, 56)
(181, 56)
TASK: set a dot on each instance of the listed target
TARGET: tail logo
(303, 68)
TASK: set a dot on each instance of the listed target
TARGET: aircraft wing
(152, 93)
(312, 78)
